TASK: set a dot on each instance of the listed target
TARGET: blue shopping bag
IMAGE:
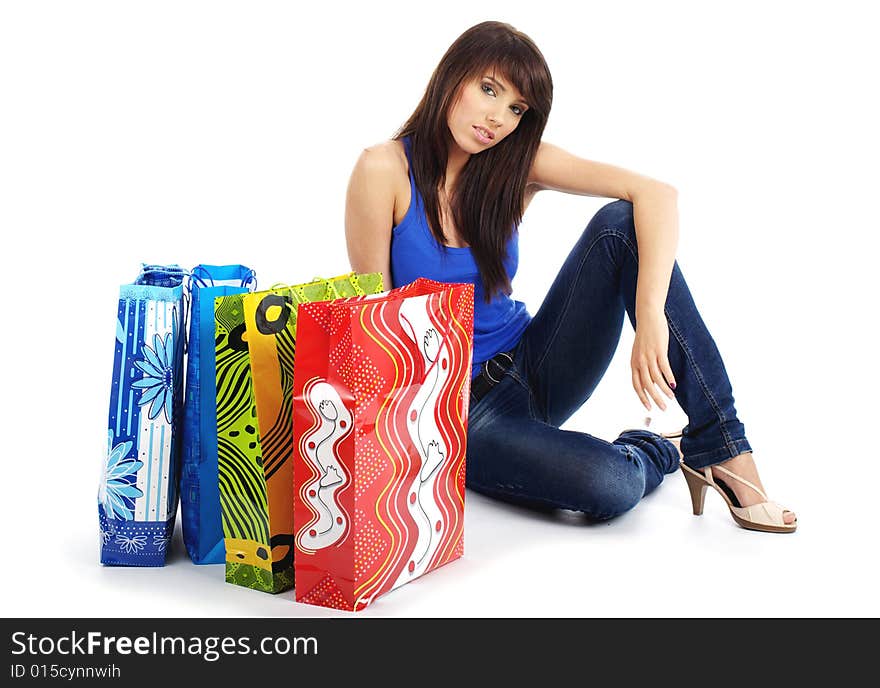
(137, 497)
(199, 491)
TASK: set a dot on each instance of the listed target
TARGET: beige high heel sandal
(765, 516)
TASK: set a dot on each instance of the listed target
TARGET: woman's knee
(614, 502)
(617, 216)
(610, 493)
(599, 497)
(612, 227)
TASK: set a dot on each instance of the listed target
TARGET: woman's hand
(650, 361)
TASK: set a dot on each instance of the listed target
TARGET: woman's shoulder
(384, 166)
(386, 158)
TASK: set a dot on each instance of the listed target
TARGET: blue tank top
(415, 252)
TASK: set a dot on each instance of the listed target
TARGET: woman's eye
(517, 110)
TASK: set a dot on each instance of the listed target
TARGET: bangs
(521, 68)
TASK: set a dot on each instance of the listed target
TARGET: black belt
(491, 373)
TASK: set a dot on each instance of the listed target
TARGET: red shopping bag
(381, 393)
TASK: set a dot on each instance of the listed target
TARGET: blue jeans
(516, 450)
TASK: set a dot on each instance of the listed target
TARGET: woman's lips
(483, 134)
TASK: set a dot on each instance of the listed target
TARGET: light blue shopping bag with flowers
(138, 494)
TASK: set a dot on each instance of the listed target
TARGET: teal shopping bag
(199, 492)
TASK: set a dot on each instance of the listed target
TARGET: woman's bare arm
(558, 170)
(369, 212)
(655, 206)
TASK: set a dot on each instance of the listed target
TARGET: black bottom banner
(411, 651)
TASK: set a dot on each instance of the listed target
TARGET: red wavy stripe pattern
(382, 384)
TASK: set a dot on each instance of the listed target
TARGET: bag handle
(187, 305)
(199, 275)
(329, 284)
(250, 281)
(202, 278)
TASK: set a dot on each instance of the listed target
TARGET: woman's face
(488, 109)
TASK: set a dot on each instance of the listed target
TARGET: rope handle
(331, 290)
(200, 276)
(250, 281)
(197, 278)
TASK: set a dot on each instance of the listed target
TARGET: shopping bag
(199, 493)
(256, 340)
(137, 497)
(381, 394)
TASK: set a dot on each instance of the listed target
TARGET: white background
(223, 132)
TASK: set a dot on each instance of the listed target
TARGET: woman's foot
(742, 465)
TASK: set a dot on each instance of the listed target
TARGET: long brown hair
(487, 202)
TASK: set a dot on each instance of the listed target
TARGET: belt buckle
(503, 354)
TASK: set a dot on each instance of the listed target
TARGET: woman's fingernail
(672, 385)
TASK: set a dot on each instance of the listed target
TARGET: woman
(443, 200)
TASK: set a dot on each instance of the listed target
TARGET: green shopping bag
(255, 350)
